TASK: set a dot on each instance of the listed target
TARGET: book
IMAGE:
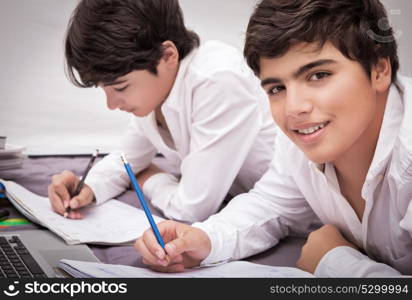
(233, 269)
(2, 142)
(11, 157)
(11, 162)
(110, 223)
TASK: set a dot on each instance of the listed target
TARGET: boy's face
(324, 102)
(140, 92)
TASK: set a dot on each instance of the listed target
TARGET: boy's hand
(60, 190)
(147, 173)
(319, 243)
(186, 247)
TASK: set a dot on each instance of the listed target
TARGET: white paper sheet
(112, 222)
(234, 269)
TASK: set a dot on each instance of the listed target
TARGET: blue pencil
(142, 201)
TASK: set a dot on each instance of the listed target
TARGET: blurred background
(41, 110)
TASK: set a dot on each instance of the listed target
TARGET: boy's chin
(138, 113)
(319, 157)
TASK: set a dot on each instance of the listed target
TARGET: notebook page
(112, 222)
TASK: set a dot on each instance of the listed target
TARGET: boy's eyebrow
(270, 80)
(115, 82)
(300, 71)
(312, 65)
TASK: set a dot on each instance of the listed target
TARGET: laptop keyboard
(16, 261)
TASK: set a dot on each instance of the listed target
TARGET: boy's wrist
(214, 256)
(152, 184)
(144, 175)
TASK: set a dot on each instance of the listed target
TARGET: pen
(80, 185)
(142, 201)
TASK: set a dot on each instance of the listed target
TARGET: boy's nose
(297, 103)
(112, 104)
(111, 101)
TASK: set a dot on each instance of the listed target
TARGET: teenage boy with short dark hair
(345, 154)
(200, 106)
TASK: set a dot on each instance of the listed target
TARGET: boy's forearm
(348, 262)
(243, 228)
(107, 179)
(180, 200)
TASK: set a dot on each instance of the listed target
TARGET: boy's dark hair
(358, 28)
(107, 39)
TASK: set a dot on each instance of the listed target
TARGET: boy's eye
(318, 76)
(275, 90)
(121, 89)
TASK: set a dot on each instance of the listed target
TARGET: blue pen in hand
(142, 201)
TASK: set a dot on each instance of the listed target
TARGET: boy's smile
(324, 102)
(310, 132)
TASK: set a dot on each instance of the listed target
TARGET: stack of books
(11, 156)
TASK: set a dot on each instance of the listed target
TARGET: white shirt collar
(172, 99)
(389, 132)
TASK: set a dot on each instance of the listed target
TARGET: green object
(14, 222)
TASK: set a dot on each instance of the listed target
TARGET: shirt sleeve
(226, 120)
(108, 178)
(348, 262)
(256, 221)
(406, 222)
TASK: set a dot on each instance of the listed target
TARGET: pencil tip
(123, 157)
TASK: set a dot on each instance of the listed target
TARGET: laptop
(36, 254)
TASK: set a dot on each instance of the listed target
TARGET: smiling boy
(200, 106)
(344, 155)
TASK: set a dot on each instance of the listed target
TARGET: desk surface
(35, 176)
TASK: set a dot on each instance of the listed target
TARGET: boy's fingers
(75, 215)
(56, 203)
(62, 191)
(152, 245)
(148, 257)
(177, 259)
(79, 201)
(175, 268)
(176, 247)
(68, 179)
(58, 195)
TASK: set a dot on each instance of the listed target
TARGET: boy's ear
(381, 75)
(170, 53)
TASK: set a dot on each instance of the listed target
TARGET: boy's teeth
(311, 129)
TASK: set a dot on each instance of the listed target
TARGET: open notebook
(111, 222)
(234, 269)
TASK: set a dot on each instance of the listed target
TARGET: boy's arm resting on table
(227, 119)
(346, 261)
(327, 253)
(349, 262)
(256, 221)
(108, 178)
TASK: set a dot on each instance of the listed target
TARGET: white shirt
(296, 192)
(222, 136)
